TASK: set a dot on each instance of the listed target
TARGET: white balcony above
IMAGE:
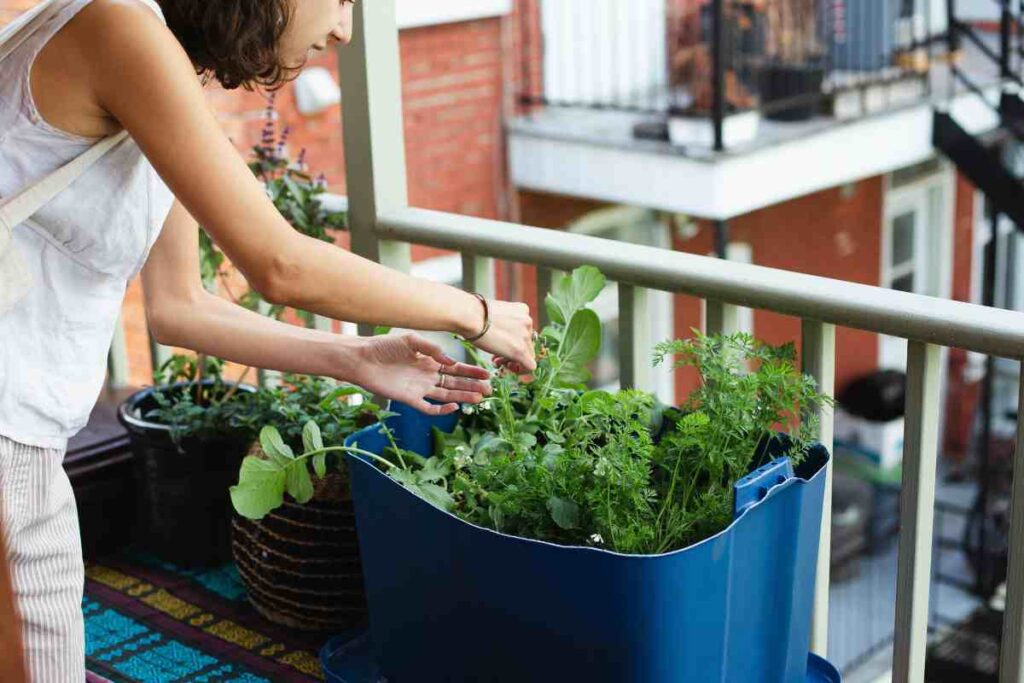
(594, 154)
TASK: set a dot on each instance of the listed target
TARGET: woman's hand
(510, 338)
(408, 368)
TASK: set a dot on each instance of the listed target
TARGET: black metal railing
(709, 59)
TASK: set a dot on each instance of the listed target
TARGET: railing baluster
(544, 281)
(1011, 659)
(117, 358)
(818, 353)
(395, 255)
(634, 368)
(373, 132)
(720, 318)
(478, 275)
(917, 502)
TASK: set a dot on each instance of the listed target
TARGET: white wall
(973, 10)
(413, 13)
(603, 50)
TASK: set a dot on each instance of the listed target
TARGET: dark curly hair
(235, 41)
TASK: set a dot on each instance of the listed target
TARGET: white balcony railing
(383, 225)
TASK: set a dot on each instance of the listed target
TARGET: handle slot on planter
(756, 486)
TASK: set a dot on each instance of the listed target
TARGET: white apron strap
(14, 210)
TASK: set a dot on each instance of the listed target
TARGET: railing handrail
(866, 307)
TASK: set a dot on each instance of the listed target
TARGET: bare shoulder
(111, 48)
(118, 28)
(109, 45)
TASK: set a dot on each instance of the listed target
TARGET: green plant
(301, 398)
(287, 420)
(263, 481)
(197, 408)
(297, 196)
(549, 460)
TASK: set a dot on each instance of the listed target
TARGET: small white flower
(462, 461)
(467, 409)
(596, 539)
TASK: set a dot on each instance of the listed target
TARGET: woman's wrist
(469, 315)
(342, 355)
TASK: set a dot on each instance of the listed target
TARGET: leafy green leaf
(312, 440)
(434, 471)
(524, 441)
(274, 446)
(432, 493)
(320, 464)
(260, 488)
(381, 330)
(298, 483)
(554, 309)
(582, 339)
(574, 291)
(487, 446)
(565, 513)
(437, 495)
(339, 393)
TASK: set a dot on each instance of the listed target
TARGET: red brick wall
(963, 239)
(962, 397)
(827, 233)
(838, 236)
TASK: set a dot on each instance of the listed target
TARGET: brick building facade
(460, 82)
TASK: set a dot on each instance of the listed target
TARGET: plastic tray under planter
(450, 601)
(184, 505)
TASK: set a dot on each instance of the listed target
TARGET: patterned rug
(153, 622)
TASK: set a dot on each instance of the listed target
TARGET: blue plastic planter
(450, 601)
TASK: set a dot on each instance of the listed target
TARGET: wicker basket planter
(300, 564)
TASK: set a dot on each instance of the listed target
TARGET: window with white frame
(1009, 294)
(917, 241)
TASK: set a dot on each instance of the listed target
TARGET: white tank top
(81, 250)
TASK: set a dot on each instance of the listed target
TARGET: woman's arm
(144, 79)
(182, 313)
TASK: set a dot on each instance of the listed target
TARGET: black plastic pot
(184, 506)
(791, 92)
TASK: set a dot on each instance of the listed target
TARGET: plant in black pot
(300, 561)
(186, 449)
(692, 77)
(793, 70)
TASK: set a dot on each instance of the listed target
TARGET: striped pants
(44, 551)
